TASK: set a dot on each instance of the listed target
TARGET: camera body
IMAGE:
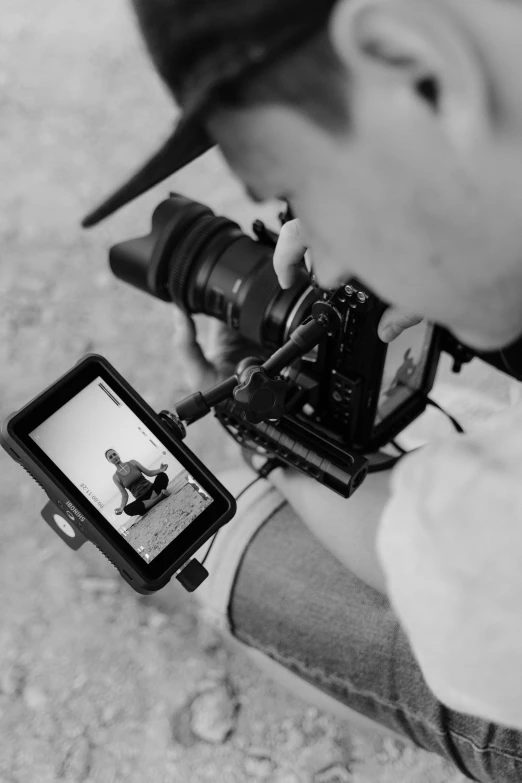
(348, 396)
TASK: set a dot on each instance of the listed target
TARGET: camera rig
(255, 405)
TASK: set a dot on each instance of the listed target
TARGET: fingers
(394, 322)
(289, 253)
(197, 370)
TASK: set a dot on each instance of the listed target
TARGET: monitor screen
(121, 468)
(404, 369)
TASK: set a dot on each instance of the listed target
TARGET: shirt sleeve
(450, 544)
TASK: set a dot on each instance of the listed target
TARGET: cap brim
(188, 142)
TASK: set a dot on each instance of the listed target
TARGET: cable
(508, 367)
(455, 423)
(378, 462)
(237, 498)
(248, 487)
(403, 452)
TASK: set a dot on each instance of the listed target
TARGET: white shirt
(450, 544)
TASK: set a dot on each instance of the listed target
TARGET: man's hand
(288, 257)
(224, 349)
(450, 544)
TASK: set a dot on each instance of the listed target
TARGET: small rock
(410, 756)
(210, 640)
(334, 774)
(77, 763)
(156, 620)
(286, 777)
(259, 767)
(294, 740)
(79, 681)
(12, 680)
(34, 697)
(109, 714)
(100, 584)
(392, 748)
(182, 733)
(214, 714)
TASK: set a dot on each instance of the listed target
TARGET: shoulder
(133, 462)
(115, 478)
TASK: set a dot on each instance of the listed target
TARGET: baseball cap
(201, 48)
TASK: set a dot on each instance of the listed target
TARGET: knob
(262, 398)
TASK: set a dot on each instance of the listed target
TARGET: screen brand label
(75, 510)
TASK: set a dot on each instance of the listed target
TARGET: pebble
(294, 739)
(182, 733)
(12, 680)
(100, 584)
(334, 774)
(259, 767)
(78, 760)
(213, 714)
(34, 697)
(286, 777)
(156, 620)
(392, 749)
(410, 756)
(79, 681)
(109, 714)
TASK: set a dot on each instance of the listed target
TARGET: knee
(162, 480)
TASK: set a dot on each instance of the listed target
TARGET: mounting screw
(348, 290)
(361, 296)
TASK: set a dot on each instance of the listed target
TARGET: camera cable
(459, 428)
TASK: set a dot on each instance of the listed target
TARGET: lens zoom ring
(182, 262)
(253, 311)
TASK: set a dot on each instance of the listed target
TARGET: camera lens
(206, 264)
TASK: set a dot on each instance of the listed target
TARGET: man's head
(395, 131)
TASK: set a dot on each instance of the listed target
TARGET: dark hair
(108, 452)
(180, 34)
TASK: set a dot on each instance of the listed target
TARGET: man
(394, 128)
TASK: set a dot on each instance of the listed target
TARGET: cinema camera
(333, 394)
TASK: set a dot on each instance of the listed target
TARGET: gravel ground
(96, 683)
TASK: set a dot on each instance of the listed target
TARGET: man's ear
(426, 47)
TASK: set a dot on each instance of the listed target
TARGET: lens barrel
(206, 264)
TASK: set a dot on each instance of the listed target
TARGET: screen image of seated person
(403, 375)
(130, 477)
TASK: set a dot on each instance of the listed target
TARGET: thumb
(394, 322)
(196, 369)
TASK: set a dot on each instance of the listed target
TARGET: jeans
(277, 590)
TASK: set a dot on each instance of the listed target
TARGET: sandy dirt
(97, 683)
(166, 520)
